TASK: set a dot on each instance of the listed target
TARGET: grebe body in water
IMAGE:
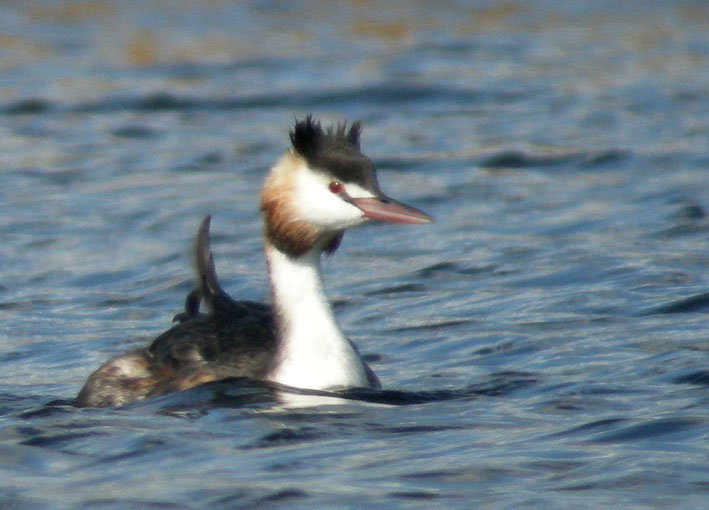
(319, 188)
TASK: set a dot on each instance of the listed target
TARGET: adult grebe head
(322, 186)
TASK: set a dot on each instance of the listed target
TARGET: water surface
(542, 345)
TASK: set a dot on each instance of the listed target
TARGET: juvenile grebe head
(323, 185)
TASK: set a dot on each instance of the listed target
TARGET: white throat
(311, 351)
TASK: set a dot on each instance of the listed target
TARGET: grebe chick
(316, 190)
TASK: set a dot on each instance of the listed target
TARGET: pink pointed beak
(383, 208)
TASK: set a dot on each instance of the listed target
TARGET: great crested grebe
(317, 189)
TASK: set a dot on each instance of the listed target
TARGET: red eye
(335, 187)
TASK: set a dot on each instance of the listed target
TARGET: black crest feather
(335, 150)
(308, 136)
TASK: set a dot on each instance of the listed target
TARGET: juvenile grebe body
(319, 188)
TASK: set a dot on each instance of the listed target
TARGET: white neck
(311, 352)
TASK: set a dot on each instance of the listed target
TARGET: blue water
(542, 345)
